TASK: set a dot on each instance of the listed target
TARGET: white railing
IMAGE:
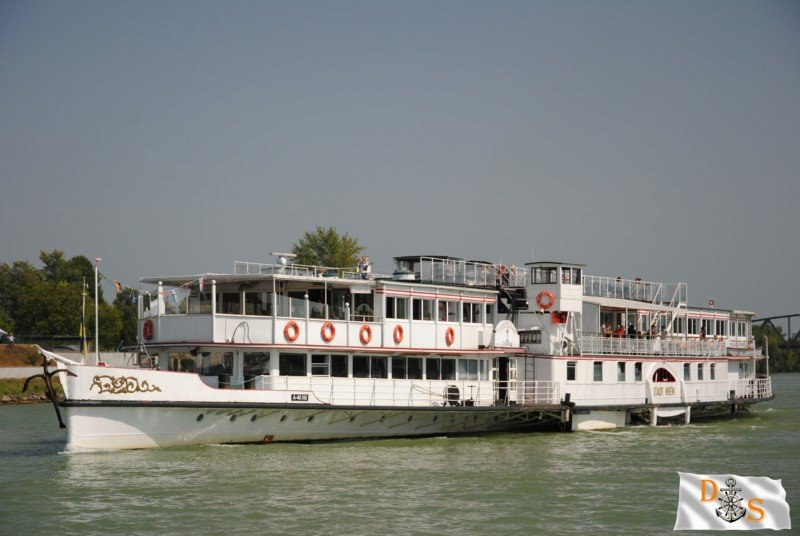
(469, 273)
(751, 388)
(259, 268)
(634, 289)
(529, 392)
(384, 392)
(420, 393)
(599, 344)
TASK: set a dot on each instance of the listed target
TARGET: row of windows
(402, 367)
(548, 275)
(693, 326)
(448, 311)
(660, 375)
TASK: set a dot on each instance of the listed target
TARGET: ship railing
(300, 270)
(527, 392)
(751, 387)
(387, 392)
(598, 344)
(634, 289)
(470, 273)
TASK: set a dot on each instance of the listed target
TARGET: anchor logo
(731, 509)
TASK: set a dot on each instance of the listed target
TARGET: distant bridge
(791, 340)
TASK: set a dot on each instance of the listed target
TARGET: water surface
(618, 482)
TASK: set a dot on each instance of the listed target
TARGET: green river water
(618, 482)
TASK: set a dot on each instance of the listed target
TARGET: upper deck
(447, 307)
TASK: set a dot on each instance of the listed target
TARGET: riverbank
(11, 391)
(22, 359)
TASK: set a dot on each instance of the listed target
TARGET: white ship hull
(111, 428)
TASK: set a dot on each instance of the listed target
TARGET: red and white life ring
(291, 331)
(397, 334)
(328, 331)
(545, 300)
(147, 329)
(365, 334)
(449, 336)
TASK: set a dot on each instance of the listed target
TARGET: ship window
(678, 326)
(598, 371)
(421, 309)
(206, 363)
(566, 275)
(448, 369)
(477, 309)
(699, 371)
(712, 371)
(489, 313)
(452, 311)
(256, 363)
(292, 364)
(637, 372)
(414, 368)
(467, 369)
(466, 313)
(571, 365)
(533, 336)
(687, 372)
(576, 276)
(433, 368)
(543, 275)
(482, 370)
(691, 326)
(378, 367)
(663, 375)
(258, 303)
(319, 365)
(200, 303)
(706, 326)
(406, 367)
(181, 362)
(360, 366)
(339, 366)
(398, 367)
(396, 308)
(720, 328)
(621, 371)
(229, 303)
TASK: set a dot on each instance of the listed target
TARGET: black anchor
(50, 392)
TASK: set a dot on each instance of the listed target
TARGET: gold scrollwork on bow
(121, 385)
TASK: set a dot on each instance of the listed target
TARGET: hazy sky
(650, 139)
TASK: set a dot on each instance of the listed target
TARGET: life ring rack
(327, 331)
(291, 331)
(365, 334)
(545, 300)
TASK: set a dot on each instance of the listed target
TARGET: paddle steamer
(285, 352)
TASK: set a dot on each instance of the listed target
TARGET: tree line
(45, 302)
(40, 303)
(781, 359)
